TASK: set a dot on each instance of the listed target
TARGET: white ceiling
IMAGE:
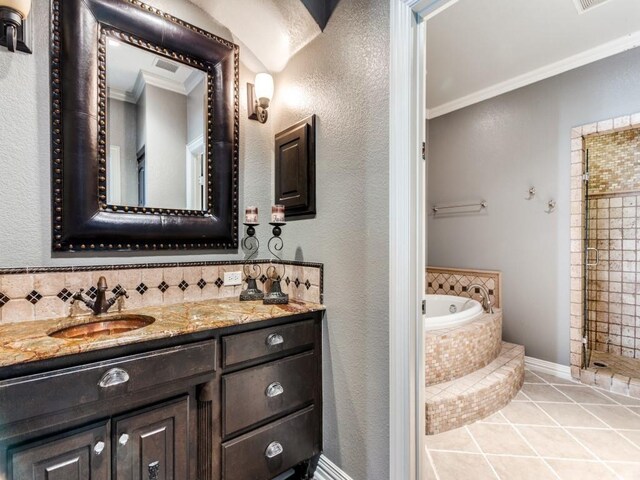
(269, 32)
(477, 49)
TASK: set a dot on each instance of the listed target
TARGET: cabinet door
(83, 455)
(153, 444)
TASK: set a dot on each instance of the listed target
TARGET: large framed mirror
(144, 130)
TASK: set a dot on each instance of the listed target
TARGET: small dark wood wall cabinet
(296, 169)
(241, 403)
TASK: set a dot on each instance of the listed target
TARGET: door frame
(407, 234)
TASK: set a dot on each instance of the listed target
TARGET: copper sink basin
(107, 326)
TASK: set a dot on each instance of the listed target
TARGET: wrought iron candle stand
(275, 295)
(251, 269)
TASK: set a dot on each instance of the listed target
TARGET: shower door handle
(595, 264)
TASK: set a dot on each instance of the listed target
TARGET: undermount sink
(107, 326)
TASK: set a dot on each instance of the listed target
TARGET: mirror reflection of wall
(155, 130)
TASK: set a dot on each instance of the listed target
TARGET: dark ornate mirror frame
(81, 217)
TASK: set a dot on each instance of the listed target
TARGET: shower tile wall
(614, 207)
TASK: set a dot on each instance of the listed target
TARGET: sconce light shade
(259, 96)
(15, 32)
(23, 7)
(264, 86)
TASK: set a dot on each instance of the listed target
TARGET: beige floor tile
(520, 397)
(635, 410)
(622, 399)
(584, 394)
(573, 470)
(526, 413)
(459, 466)
(495, 418)
(615, 416)
(627, 471)
(457, 440)
(606, 444)
(431, 474)
(554, 442)
(552, 379)
(522, 468)
(543, 393)
(530, 377)
(499, 439)
(571, 415)
(633, 435)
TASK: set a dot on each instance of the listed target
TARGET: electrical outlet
(232, 278)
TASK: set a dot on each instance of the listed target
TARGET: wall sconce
(15, 30)
(259, 96)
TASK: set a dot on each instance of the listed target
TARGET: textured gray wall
(25, 152)
(342, 76)
(121, 132)
(496, 150)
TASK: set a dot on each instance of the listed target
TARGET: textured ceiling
(474, 46)
(269, 32)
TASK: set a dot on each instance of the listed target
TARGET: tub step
(477, 395)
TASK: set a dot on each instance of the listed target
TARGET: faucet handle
(77, 296)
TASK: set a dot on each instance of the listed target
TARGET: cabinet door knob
(98, 448)
(274, 339)
(113, 377)
(274, 390)
(124, 438)
(273, 450)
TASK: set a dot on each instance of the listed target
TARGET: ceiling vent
(585, 5)
(167, 65)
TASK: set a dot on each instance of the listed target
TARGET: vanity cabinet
(238, 403)
(79, 455)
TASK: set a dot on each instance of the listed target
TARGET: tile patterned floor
(554, 429)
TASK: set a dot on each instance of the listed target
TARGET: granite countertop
(25, 342)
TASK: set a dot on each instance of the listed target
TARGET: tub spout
(486, 299)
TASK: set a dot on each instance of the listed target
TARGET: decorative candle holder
(275, 295)
(251, 269)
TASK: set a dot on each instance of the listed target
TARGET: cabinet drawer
(293, 439)
(243, 347)
(50, 392)
(259, 393)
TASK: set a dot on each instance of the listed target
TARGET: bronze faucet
(100, 305)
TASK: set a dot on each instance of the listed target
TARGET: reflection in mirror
(156, 116)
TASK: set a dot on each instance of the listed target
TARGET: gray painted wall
(496, 150)
(195, 112)
(165, 148)
(342, 76)
(121, 132)
(25, 153)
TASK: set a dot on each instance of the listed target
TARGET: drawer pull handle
(275, 339)
(99, 448)
(154, 470)
(273, 450)
(274, 390)
(113, 377)
(124, 438)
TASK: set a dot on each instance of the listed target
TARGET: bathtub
(446, 311)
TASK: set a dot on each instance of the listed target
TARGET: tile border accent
(577, 236)
(41, 293)
(463, 277)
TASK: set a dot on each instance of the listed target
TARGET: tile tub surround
(554, 429)
(24, 342)
(454, 352)
(477, 395)
(454, 281)
(41, 293)
(579, 137)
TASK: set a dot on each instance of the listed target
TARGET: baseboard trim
(562, 371)
(327, 470)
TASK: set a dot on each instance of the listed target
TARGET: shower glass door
(590, 262)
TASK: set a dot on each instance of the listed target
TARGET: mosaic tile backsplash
(454, 281)
(614, 161)
(42, 293)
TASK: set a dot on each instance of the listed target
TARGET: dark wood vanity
(235, 403)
